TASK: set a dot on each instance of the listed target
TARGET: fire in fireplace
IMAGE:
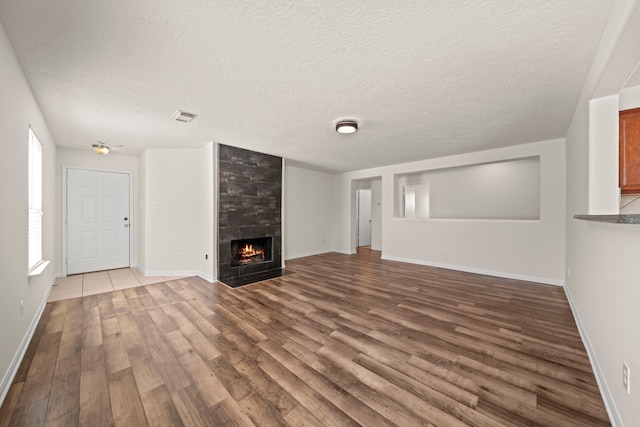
(251, 251)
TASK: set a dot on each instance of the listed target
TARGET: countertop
(612, 219)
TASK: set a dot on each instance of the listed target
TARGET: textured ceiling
(423, 78)
(634, 79)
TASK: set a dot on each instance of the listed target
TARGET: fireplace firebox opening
(251, 251)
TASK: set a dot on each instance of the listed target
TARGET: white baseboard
(205, 276)
(595, 366)
(543, 280)
(306, 254)
(209, 278)
(5, 384)
(344, 252)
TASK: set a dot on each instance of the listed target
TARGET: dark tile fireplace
(249, 215)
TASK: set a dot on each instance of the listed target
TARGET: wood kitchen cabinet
(629, 152)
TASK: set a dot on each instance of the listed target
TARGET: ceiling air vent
(183, 116)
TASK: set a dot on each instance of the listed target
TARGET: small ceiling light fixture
(346, 126)
(101, 148)
(183, 116)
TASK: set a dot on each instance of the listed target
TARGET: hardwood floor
(344, 340)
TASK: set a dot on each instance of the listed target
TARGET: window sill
(496, 221)
(39, 268)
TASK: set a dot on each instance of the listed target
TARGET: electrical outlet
(206, 256)
(626, 377)
(22, 306)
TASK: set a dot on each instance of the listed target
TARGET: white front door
(98, 220)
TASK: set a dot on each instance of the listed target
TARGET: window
(35, 205)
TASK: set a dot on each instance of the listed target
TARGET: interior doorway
(364, 217)
(97, 220)
(366, 204)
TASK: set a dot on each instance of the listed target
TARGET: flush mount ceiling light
(183, 116)
(101, 149)
(346, 126)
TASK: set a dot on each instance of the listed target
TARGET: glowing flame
(248, 251)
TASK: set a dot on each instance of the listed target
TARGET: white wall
(308, 209)
(19, 110)
(180, 178)
(531, 250)
(603, 260)
(90, 160)
(178, 212)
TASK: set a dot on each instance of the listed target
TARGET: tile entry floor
(79, 285)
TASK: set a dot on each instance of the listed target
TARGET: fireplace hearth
(251, 251)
